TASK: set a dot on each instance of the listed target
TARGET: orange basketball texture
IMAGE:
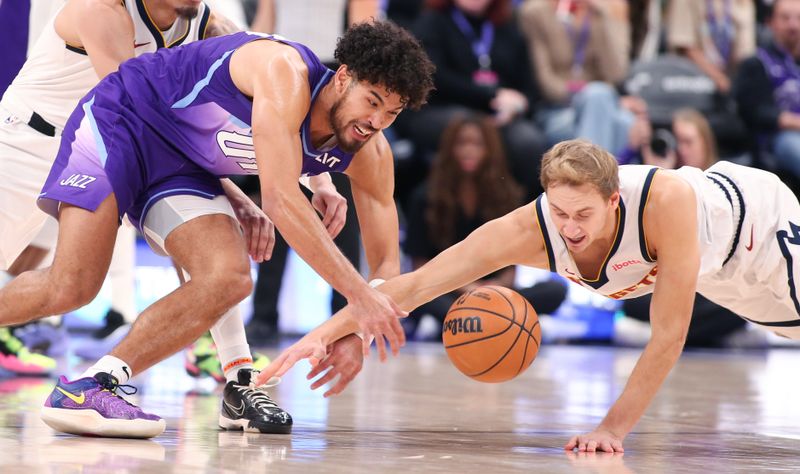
(491, 334)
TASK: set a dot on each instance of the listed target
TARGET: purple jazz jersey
(170, 123)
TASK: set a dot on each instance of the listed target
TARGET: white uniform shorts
(25, 160)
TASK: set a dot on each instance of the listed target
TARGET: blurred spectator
(580, 52)
(404, 12)
(482, 65)
(768, 88)
(315, 23)
(233, 10)
(763, 11)
(690, 143)
(468, 186)
(645, 19)
(716, 35)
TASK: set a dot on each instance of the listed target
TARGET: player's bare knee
(232, 284)
(240, 285)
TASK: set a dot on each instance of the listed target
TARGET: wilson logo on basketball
(620, 266)
(463, 325)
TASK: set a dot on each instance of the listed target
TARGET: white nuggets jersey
(629, 270)
(748, 234)
(56, 74)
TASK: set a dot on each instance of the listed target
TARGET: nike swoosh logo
(139, 45)
(238, 411)
(71, 396)
(750, 247)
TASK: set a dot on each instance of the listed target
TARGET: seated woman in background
(469, 185)
(690, 143)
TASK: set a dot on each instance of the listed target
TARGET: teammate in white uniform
(69, 58)
(57, 73)
(729, 233)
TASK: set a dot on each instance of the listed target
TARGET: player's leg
(25, 159)
(44, 338)
(79, 266)
(243, 407)
(211, 249)
(119, 317)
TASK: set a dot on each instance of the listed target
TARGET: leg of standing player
(79, 267)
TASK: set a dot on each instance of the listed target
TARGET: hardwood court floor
(719, 412)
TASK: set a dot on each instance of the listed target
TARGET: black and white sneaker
(249, 408)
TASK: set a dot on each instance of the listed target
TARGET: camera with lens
(662, 143)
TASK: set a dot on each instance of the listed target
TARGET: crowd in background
(660, 82)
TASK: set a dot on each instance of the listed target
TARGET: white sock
(112, 366)
(231, 341)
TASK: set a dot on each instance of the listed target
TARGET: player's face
(363, 110)
(691, 151)
(785, 25)
(469, 148)
(582, 215)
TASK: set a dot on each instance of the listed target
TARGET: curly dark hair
(383, 53)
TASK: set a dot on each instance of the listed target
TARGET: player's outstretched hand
(597, 440)
(258, 229)
(378, 317)
(345, 359)
(333, 207)
(309, 348)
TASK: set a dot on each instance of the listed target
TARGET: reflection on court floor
(721, 411)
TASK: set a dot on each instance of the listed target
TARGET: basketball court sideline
(728, 412)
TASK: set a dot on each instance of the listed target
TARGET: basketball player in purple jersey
(168, 125)
(74, 55)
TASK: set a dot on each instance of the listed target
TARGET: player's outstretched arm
(670, 222)
(277, 79)
(371, 176)
(512, 239)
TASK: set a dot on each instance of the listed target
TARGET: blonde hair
(695, 118)
(577, 162)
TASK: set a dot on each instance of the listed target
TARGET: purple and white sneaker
(90, 406)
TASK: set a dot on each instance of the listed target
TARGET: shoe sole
(243, 425)
(91, 423)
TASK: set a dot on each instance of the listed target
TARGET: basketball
(491, 334)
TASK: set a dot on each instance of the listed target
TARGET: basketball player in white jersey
(70, 57)
(731, 233)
